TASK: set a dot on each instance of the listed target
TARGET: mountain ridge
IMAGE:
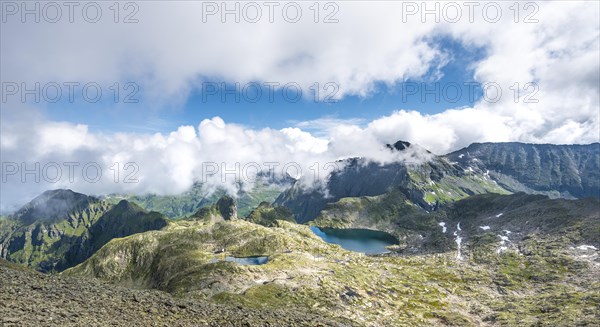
(454, 176)
(554, 170)
(75, 227)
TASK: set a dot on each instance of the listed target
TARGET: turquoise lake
(357, 240)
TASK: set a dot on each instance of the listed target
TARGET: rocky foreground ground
(29, 298)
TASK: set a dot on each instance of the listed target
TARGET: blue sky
(279, 111)
(171, 131)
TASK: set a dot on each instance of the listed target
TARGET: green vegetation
(525, 259)
(314, 275)
(540, 279)
(428, 184)
(43, 244)
(393, 213)
(452, 188)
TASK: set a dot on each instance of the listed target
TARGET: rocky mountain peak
(52, 205)
(399, 146)
(227, 208)
(126, 206)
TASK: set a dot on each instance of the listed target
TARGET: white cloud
(170, 50)
(324, 125)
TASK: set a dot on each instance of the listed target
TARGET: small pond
(358, 240)
(246, 261)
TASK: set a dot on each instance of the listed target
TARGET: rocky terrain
(420, 231)
(29, 298)
(425, 179)
(548, 265)
(545, 272)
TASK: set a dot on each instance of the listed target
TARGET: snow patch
(486, 175)
(461, 156)
(484, 227)
(503, 241)
(458, 240)
(586, 247)
(443, 224)
(499, 215)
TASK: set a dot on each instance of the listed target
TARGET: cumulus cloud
(170, 50)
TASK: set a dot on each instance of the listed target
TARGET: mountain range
(492, 234)
(570, 171)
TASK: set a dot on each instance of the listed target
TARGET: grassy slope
(452, 188)
(315, 275)
(265, 214)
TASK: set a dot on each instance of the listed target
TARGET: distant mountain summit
(54, 205)
(224, 209)
(400, 145)
(425, 179)
(227, 207)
